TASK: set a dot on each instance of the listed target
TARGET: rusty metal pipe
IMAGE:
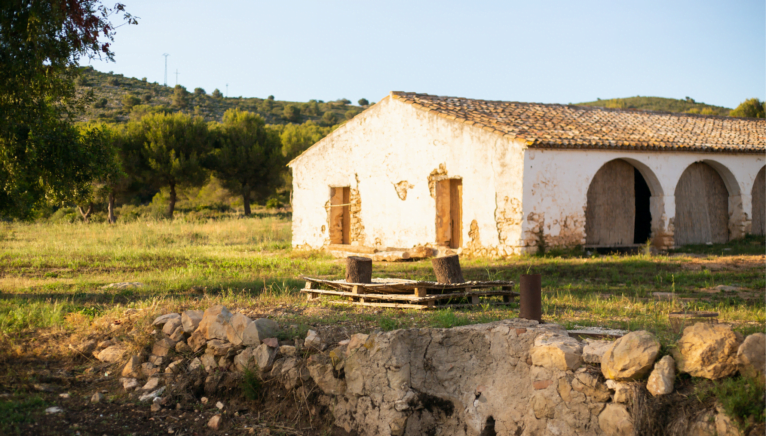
(530, 290)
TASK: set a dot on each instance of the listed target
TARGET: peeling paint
(401, 189)
(508, 219)
(434, 177)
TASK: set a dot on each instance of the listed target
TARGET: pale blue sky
(532, 51)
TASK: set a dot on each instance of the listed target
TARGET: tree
(363, 102)
(180, 97)
(100, 103)
(291, 112)
(217, 93)
(344, 101)
(271, 97)
(247, 156)
(199, 92)
(174, 147)
(351, 113)
(752, 108)
(329, 118)
(296, 138)
(130, 100)
(43, 157)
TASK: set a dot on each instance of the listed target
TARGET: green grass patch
(742, 398)
(19, 411)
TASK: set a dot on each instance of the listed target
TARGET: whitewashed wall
(393, 142)
(556, 185)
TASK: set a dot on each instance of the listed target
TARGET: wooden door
(340, 215)
(449, 199)
(456, 212)
(702, 207)
(610, 212)
(758, 194)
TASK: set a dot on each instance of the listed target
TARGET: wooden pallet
(410, 294)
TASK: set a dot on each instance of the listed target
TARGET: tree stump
(447, 269)
(358, 269)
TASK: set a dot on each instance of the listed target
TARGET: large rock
(197, 340)
(264, 356)
(244, 360)
(214, 322)
(190, 320)
(630, 357)
(171, 326)
(314, 341)
(707, 350)
(556, 351)
(320, 367)
(662, 377)
(132, 368)
(243, 331)
(590, 386)
(751, 356)
(161, 320)
(163, 347)
(594, 350)
(111, 354)
(615, 420)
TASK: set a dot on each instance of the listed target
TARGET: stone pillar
(663, 210)
(740, 216)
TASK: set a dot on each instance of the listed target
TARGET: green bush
(65, 215)
(130, 100)
(742, 398)
(113, 81)
(273, 203)
(351, 113)
(252, 388)
(217, 93)
(329, 118)
(290, 112)
(100, 103)
(363, 102)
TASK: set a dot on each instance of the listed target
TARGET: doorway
(702, 207)
(340, 215)
(449, 211)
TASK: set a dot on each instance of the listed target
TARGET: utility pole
(166, 68)
(176, 76)
(227, 90)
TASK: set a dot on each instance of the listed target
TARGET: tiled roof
(566, 126)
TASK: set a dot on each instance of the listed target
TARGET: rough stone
(264, 357)
(271, 342)
(178, 334)
(194, 364)
(163, 347)
(111, 354)
(129, 383)
(244, 359)
(242, 331)
(590, 386)
(156, 360)
(594, 350)
(214, 422)
(751, 356)
(267, 328)
(224, 362)
(197, 340)
(313, 341)
(190, 320)
(631, 356)
(218, 348)
(288, 351)
(214, 322)
(702, 425)
(171, 325)
(724, 425)
(152, 395)
(208, 361)
(556, 351)
(321, 370)
(85, 347)
(162, 320)
(148, 369)
(707, 350)
(174, 367)
(357, 340)
(151, 384)
(133, 367)
(182, 348)
(615, 420)
(97, 397)
(622, 391)
(663, 377)
(294, 373)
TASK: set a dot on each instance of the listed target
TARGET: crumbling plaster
(394, 145)
(556, 185)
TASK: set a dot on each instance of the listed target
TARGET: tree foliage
(180, 97)
(217, 93)
(751, 108)
(291, 112)
(363, 102)
(43, 157)
(247, 156)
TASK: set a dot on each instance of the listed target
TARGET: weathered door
(702, 207)
(449, 196)
(610, 212)
(340, 215)
(759, 203)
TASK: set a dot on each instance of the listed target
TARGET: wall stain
(401, 189)
(436, 174)
(508, 218)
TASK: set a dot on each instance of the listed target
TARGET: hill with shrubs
(686, 106)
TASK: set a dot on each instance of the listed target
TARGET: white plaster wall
(556, 185)
(393, 142)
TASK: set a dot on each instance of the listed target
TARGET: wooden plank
(443, 227)
(417, 306)
(336, 216)
(413, 298)
(421, 292)
(408, 286)
(346, 214)
(456, 213)
(610, 213)
(702, 207)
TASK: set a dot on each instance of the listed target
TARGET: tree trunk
(246, 199)
(172, 204)
(110, 208)
(447, 269)
(358, 269)
(85, 214)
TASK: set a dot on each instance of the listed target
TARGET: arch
(702, 206)
(618, 211)
(758, 195)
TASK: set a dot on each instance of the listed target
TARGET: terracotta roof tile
(564, 126)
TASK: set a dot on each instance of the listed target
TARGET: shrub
(113, 81)
(180, 97)
(81, 81)
(100, 103)
(198, 92)
(217, 93)
(130, 100)
(363, 102)
(752, 108)
(273, 203)
(344, 101)
(351, 113)
(147, 97)
(143, 79)
(742, 398)
(251, 385)
(329, 118)
(271, 97)
(290, 112)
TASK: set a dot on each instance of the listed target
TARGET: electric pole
(176, 76)
(227, 90)
(166, 68)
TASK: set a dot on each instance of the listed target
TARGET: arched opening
(702, 207)
(618, 211)
(758, 195)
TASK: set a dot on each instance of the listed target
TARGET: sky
(530, 51)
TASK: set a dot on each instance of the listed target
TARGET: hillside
(115, 98)
(687, 106)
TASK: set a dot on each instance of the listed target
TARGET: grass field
(54, 276)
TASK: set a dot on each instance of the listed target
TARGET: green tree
(363, 102)
(43, 157)
(329, 118)
(290, 112)
(351, 113)
(217, 93)
(174, 147)
(247, 157)
(296, 138)
(180, 97)
(751, 108)
(100, 103)
(130, 100)
(199, 92)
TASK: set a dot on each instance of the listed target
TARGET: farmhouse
(497, 178)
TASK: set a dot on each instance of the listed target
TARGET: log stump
(447, 269)
(358, 269)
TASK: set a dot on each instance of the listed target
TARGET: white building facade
(500, 178)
